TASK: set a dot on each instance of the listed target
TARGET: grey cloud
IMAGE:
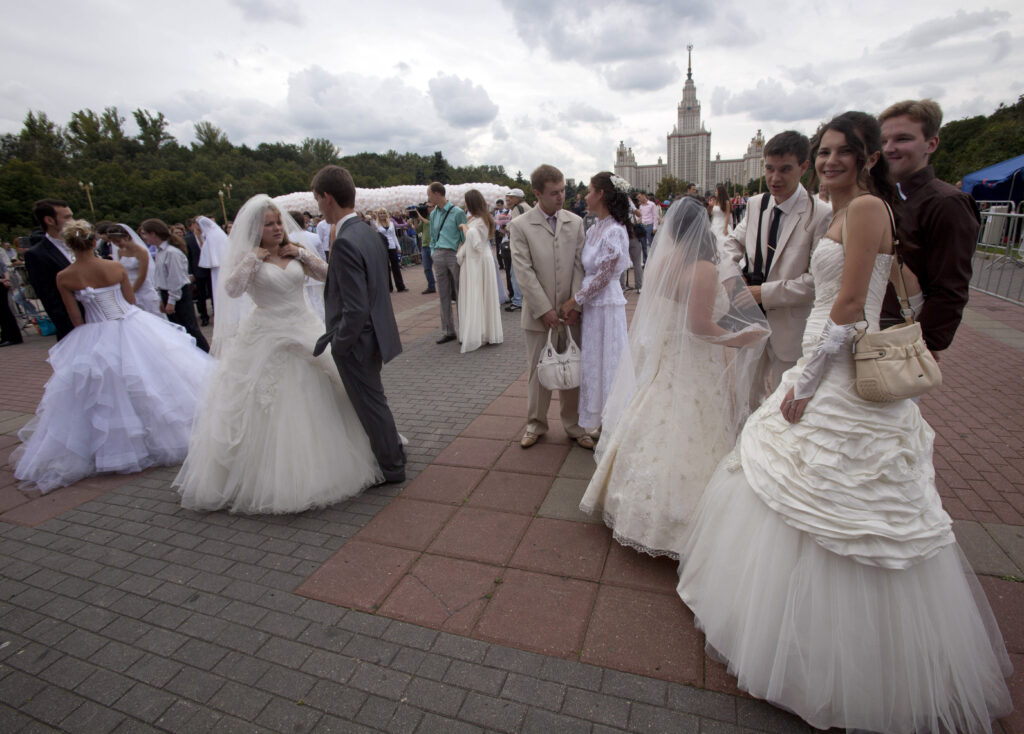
(801, 74)
(267, 10)
(607, 32)
(641, 75)
(583, 112)
(1002, 43)
(461, 103)
(499, 131)
(932, 91)
(933, 31)
(769, 101)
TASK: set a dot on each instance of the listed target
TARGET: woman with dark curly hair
(605, 257)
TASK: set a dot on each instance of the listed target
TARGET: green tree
(153, 133)
(211, 137)
(670, 185)
(320, 152)
(439, 169)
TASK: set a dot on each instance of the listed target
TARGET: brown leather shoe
(585, 441)
(529, 439)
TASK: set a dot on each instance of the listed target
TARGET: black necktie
(773, 239)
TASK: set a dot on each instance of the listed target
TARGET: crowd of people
(812, 545)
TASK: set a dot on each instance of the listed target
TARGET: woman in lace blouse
(605, 257)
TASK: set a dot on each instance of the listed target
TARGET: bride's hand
(793, 410)
(262, 253)
(288, 250)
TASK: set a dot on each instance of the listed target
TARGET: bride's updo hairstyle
(615, 201)
(864, 136)
(689, 220)
(79, 235)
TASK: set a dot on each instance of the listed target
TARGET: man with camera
(774, 241)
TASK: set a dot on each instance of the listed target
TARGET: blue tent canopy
(1000, 182)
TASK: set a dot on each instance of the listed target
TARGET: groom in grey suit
(361, 328)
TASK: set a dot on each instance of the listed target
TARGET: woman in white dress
(821, 565)
(277, 432)
(605, 257)
(720, 211)
(479, 307)
(125, 383)
(680, 393)
(132, 253)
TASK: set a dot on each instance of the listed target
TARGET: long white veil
(245, 236)
(690, 296)
(215, 243)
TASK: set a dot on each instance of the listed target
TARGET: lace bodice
(103, 304)
(827, 270)
(605, 256)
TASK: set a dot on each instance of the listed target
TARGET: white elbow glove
(916, 302)
(833, 337)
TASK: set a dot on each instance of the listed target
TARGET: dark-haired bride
(277, 432)
(821, 564)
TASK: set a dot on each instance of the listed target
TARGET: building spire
(689, 61)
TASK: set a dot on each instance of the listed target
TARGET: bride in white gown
(277, 432)
(133, 254)
(678, 397)
(124, 386)
(822, 565)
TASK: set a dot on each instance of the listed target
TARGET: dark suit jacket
(356, 298)
(43, 262)
(192, 246)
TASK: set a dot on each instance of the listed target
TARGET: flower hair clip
(621, 185)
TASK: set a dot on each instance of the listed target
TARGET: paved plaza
(473, 597)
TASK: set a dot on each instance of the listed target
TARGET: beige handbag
(559, 370)
(895, 363)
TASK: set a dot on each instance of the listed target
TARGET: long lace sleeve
(614, 241)
(242, 276)
(312, 265)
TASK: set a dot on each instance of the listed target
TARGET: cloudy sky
(513, 83)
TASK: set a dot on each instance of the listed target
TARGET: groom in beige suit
(546, 243)
(775, 240)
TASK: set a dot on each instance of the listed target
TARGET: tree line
(150, 174)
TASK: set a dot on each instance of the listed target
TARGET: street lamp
(220, 194)
(88, 195)
(227, 186)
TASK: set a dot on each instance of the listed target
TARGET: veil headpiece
(215, 243)
(116, 254)
(691, 296)
(246, 233)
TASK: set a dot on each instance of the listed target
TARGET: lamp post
(227, 187)
(220, 194)
(88, 195)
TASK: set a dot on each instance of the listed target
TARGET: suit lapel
(789, 224)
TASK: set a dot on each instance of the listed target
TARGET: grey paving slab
(984, 552)
(129, 614)
(563, 501)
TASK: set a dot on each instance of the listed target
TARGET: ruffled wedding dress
(277, 432)
(121, 398)
(823, 568)
(479, 309)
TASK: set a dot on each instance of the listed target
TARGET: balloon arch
(394, 198)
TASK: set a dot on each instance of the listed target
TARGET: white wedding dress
(719, 225)
(603, 333)
(121, 398)
(277, 432)
(823, 568)
(653, 467)
(479, 309)
(146, 297)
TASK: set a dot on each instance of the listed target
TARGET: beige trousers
(539, 397)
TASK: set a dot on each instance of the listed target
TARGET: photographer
(419, 217)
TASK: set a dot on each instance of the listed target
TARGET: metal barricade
(998, 263)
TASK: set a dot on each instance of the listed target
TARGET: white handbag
(559, 370)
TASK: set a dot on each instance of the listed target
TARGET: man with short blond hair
(938, 224)
(547, 243)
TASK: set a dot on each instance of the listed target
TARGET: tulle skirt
(121, 399)
(277, 432)
(838, 642)
(603, 338)
(479, 310)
